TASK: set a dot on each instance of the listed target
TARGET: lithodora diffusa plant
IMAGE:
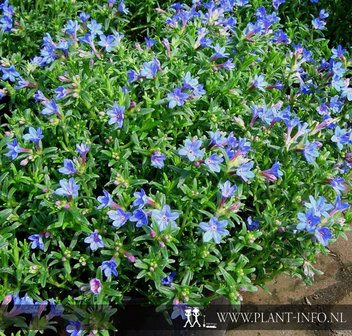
(198, 164)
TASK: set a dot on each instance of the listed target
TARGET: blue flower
(68, 168)
(192, 149)
(37, 241)
(227, 190)
(74, 328)
(347, 93)
(244, 171)
(141, 198)
(132, 76)
(122, 8)
(219, 52)
(107, 42)
(337, 53)
(9, 73)
(274, 172)
(116, 115)
(338, 206)
(95, 28)
(39, 96)
(241, 3)
(259, 82)
(177, 98)
(319, 206)
(149, 42)
(95, 286)
(179, 310)
(109, 267)
(50, 108)
(318, 24)
(83, 16)
(94, 240)
(216, 139)
(323, 14)
(341, 137)
(6, 24)
(55, 310)
(105, 201)
(310, 151)
(149, 70)
(68, 188)
(61, 92)
(71, 27)
(308, 220)
(252, 225)
(140, 217)
(322, 235)
(14, 149)
(189, 82)
(214, 229)
(213, 162)
(277, 3)
(167, 281)
(157, 160)
(119, 217)
(87, 38)
(165, 217)
(338, 184)
(83, 149)
(22, 84)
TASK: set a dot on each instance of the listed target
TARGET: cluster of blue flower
(317, 215)
(6, 21)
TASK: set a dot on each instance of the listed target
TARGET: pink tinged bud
(45, 190)
(64, 79)
(318, 143)
(242, 289)
(251, 241)
(24, 162)
(234, 206)
(281, 229)
(58, 203)
(41, 308)
(47, 234)
(130, 257)
(161, 244)
(7, 300)
(186, 298)
(138, 46)
(153, 233)
(7, 133)
(159, 10)
(95, 286)
(132, 105)
(176, 301)
(66, 206)
(270, 177)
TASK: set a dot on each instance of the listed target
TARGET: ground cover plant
(199, 163)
